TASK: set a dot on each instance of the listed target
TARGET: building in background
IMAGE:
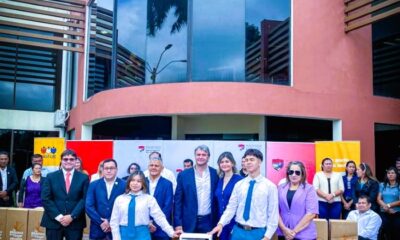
(273, 70)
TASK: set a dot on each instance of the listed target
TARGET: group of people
(245, 205)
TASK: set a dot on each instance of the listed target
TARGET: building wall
(332, 79)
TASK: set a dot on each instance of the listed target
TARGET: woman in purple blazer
(298, 205)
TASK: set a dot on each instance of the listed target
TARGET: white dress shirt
(368, 223)
(321, 182)
(264, 210)
(145, 207)
(153, 185)
(166, 173)
(109, 187)
(203, 189)
(4, 178)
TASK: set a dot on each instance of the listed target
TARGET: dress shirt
(321, 182)
(109, 187)
(4, 178)
(264, 205)
(146, 206)
(203, 189)
(368, 223)
(153, 185)
(166, 173)
(28, 172)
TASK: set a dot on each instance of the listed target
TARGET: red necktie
(68, 181)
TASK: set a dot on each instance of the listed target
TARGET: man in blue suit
(195, 206)
(161, 189)
(100, 200)
(63, 197)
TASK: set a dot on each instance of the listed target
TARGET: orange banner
(339, 152)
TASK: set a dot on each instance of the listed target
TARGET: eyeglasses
(109, 168)
(297, 172)
(68, 159)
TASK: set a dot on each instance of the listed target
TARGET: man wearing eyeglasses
(254, 202)
(100, 200)
(63, 197)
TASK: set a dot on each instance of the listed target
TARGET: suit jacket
(57, 201)
(304, 201)
(99, 206)
(370, 189)
(163, 195)
(12, 183)
(185, 208)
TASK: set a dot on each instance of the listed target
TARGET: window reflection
(34, 97)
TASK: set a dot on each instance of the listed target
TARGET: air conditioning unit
(60, 117)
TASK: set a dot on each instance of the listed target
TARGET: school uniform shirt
(145, 207)
(264, 210)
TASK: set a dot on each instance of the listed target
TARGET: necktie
(131, 216)
(67, 181)
(246, 213)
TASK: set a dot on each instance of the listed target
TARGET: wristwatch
(388, 205)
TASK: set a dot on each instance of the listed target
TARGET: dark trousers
(204, 224)
(160, 238)
(59, 234)
(330, 210)
(391, 226)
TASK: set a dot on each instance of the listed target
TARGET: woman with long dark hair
(389, 201)
(349, 195)
(367, 185)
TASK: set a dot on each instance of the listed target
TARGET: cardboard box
(322, 228)
(35, 231)
(3, 223)
(343, 230)
(17, 221)
(87, 229)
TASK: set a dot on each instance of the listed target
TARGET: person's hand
(66, 220)
(391, 211)
(177, 233)
(105, 225)
(217, 230)
(3, 194)
(178, 228)
(385, 208)
(328, 197)
(288, 233)
(152, 227)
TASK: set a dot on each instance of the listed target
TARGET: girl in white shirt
(145, 206)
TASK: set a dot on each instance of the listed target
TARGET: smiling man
(195, 206)
(63, 197)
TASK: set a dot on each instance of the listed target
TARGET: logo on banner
(141, 148)
(277, 164)
(241, 146)
(48, 152)
(149, 149)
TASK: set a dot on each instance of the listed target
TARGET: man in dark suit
(8, 181)
(63, 197)
(162, 190)
(195, 206)
(100, 200)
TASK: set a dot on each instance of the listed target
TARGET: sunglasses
(297, 172)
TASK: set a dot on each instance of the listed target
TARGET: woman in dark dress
(367, 185)
(227, 172)
(30, 189)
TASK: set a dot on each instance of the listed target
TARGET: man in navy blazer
(63, 197)
(195, 205)
(8, 181)
(162, 190)
(100, 200)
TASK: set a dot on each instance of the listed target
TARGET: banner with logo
(339, 152)
(135, 151)
(279, 154)
(92, 153)
(50, 149)
(238, 148)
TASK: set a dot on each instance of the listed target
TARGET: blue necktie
(131, 215)
(246, 213)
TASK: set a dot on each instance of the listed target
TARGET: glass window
(34, 97)
(6, 94)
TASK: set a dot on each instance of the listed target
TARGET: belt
(202, 217)
(247, 227)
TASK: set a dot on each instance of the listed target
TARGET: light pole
(154, 70)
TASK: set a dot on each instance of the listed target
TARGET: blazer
(98, 206)
(304, 201)
(12, 184)
(164, 196)
(370, 189)
(185, 206)
(57, 201)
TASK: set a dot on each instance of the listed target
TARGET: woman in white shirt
(329, 187)
(129, 224)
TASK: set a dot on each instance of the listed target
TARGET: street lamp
(154, 71)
